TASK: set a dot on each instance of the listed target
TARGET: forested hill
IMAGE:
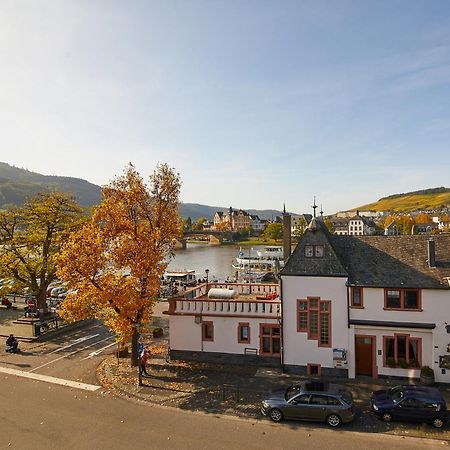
(425, 199)
(16, 185)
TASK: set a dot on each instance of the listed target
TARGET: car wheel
(386, 417)
(276, 415)
(334, 420)
(438, 422)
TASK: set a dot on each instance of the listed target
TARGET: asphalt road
(72, 356)
(38, 415)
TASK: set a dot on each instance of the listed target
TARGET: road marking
(97, 352)
(77, 341)
(68, 354)
(47, 379)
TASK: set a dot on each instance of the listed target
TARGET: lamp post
(207, 279)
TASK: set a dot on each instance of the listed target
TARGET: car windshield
(395, 394)
(291, 391)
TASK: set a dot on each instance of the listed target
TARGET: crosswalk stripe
(47, 379)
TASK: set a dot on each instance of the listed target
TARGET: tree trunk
(41, 300)
(134, 347)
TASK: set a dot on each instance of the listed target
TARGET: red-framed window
(313, 369)
(402, 351)
(403, 299)
(356, 297)
(208, 331)
(314, 318)
(325, 324)
(270, 336)
(244, 333)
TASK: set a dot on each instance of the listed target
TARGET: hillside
(434, 198)
(16, 185)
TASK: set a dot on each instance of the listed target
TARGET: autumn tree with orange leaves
(115, 262)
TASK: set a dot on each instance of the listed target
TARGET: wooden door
(364, 355)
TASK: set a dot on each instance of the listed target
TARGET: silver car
(310, 400)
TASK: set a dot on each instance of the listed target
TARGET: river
(216, 258)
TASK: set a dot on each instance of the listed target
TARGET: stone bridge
(214, 237)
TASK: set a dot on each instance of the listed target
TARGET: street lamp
(207, 279)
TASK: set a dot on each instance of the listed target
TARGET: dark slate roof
(373, 261)
(328, 266)
(394, 261)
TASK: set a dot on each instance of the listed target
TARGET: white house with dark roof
(367, 305)
(347, 306)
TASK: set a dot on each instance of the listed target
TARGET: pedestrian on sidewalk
(142, 365)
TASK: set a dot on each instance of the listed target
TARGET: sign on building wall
(340, 358)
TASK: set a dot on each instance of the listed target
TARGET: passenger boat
(181, 278)
(268, 259)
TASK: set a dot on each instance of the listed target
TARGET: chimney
(286, 235)
(431, 253)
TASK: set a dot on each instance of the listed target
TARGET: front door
(364, 355)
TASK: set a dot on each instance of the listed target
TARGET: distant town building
(353, 226)
(391, 229)
(237, 220)
(424, 228)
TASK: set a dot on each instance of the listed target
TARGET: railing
(241, 288)
(269, 308)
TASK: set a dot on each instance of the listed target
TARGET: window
(207, 331)
(334, 401)
(324, 324)
(402, 351)
(314, 318)
(356, 297)
(318, 400)
(313, 369)
(314, 251)
(318, 251)
(301, 399)
(270, 339)
(404, 299)
(244, 333)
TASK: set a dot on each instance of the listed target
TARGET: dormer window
(318, 251)
(315, 251)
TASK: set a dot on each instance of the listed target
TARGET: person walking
(142, 365)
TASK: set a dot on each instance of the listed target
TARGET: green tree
(198, 224)
(404, 224)
(300, 227)
(329, 224)
(30, 240)
(274, 231)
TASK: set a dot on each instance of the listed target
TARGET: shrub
(158, 332)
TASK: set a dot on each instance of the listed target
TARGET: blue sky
(254, 103)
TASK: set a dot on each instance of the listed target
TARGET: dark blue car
(410, 403)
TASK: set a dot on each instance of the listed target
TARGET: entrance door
(364, 355)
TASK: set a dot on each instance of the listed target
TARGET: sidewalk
(237, 391)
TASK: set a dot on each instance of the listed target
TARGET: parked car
(410, 403)
(312, 401)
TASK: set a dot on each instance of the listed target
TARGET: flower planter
(427, 376)
(158, 332)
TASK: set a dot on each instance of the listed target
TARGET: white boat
(271, 252)
(268, 259)
(180, 277)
